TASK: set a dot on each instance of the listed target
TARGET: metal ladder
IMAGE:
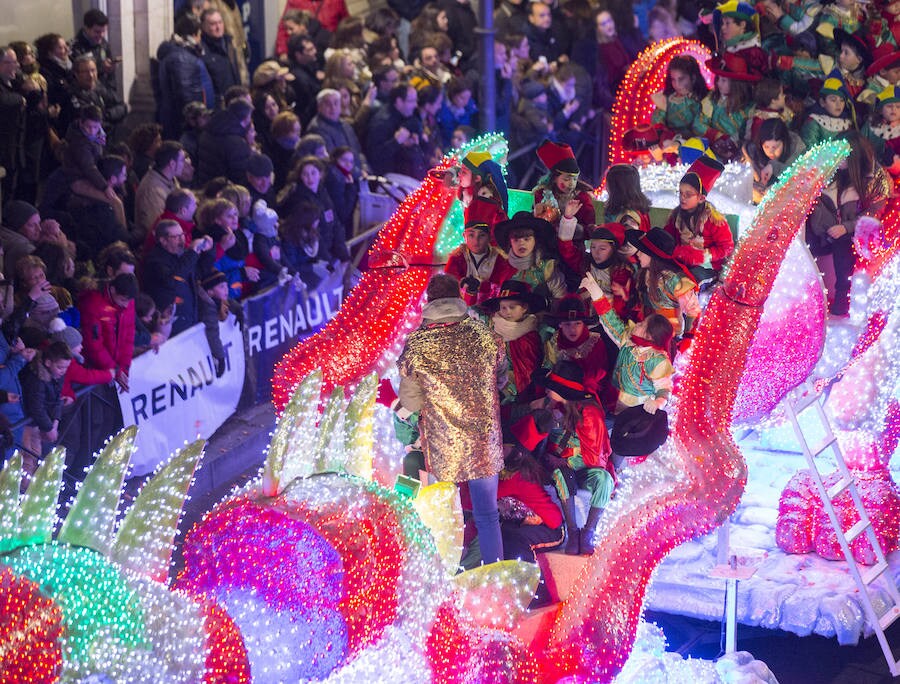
(802, 398)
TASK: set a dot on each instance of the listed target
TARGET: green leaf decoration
(288, 453)
(324, 459)
(10, 477)
(144, 540)
(92, 517)
(38, 516)
(358, 423)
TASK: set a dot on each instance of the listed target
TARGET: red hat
(703, 173)
(557, 157)
(480, 213)
(640, 139)
(731, 65)
(528, 433)
(884, 57)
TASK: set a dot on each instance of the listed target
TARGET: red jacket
(186, 226)
(328, 13)
(83, 376)
(460, 261)
(108, 330)
(593, 439)
(532, 495)
(718, 242)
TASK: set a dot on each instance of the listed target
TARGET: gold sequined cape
(456, 366)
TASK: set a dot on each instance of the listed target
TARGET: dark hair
(860, 164)
(94, 17)
(235, 92)
(623, 185)
(56, 351)
(54, 257)
(240, 108)
(167, 153)
(143, 137)
(121, 149)
(111, 165)
(520, 460)
(207, 13)
(348, 34)
(457, 85)
(382, 21)
(775, 129)
(338, 152)
(90, 113)
(739, 96)
(164, 225)
(429, 95)
(299, 228)
(114, 255)
(308, 145)
(512, 40)
(442, 286)
(125, 284)
(294, 175)
(187, 25)
(295, 44)
(686, 65)
(765, 91)
(380, 73)
(45, 44)
(178, 199)
(468, 131)
(214, 186)
(399, 92)
(143, 304)
(659, 329)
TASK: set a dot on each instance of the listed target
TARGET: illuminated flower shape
(227, 660)
(30, 631)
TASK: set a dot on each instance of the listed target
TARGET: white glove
(652, 405)
(567, 228)
(590, 284)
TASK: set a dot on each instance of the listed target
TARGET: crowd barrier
(175, 396)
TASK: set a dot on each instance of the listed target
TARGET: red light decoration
(227, 661)
(30, 631)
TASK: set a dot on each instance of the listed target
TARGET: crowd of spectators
(115, 238)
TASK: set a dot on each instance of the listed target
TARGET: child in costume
(883, 130)
(664, 285)
(563, 199)
(626, 203)
(578, 451)
(574, 341)
(678, 107)
(769, 103)
(643, 374)
(512, 318)
(884, 71)
(529, 244)
(847, 15)
(771, 151)
(609, 267)
(737, 24)
(830, 116)
(702, 236)
(479, 266)
(481, 182)
(727, 107)
(853, 58)
(642, 144)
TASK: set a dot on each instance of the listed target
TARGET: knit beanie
(17, 213)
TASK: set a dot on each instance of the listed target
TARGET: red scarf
(564, 343)
(643, 342)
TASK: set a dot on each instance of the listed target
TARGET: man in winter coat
(224, 150)
(219, 54)
(91, 39)
(182, 77)
(327, 123)
(155, 187)
(393, 139)
(107, 319)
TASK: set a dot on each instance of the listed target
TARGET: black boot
(587, 533)
(573, 535)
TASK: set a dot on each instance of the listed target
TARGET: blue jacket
(183, 78)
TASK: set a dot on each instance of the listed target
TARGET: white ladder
(802, 398)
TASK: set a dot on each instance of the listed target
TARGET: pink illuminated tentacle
(697, 480)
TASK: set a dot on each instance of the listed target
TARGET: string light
(30, 632)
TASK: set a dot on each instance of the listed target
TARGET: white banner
(175, 396)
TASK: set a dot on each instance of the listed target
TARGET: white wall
(26, 20)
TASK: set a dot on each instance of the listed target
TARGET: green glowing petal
(92, 517)
(293, 433)
(358, 442)
(38, 516)
(10, 477)
(322, 459)
(144, 540)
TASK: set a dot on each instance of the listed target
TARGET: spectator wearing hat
(260, 171)
(42, 381)
(664, 285)
(107, 319)
(831, 115)
(183, 76)
(77, 372)
(328, 123)
(609, 267)
(529, 243)
(564, 200)
(19, 233)
(272, 78)
(573, 318)
(511, 315)
(156, 185)
(883, 130)
(702, 236)
(579, 443)
(884, 71)
(215, 307)
(458, 403)
(265, 249)
(480, 267)
(224, 150)
(393, 138)
(219, 54)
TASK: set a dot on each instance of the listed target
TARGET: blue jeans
(483, 493)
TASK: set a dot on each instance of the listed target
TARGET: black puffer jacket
(223, 150)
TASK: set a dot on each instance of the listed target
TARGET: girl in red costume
(482, 190)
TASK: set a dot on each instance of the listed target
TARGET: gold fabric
(456, 366)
